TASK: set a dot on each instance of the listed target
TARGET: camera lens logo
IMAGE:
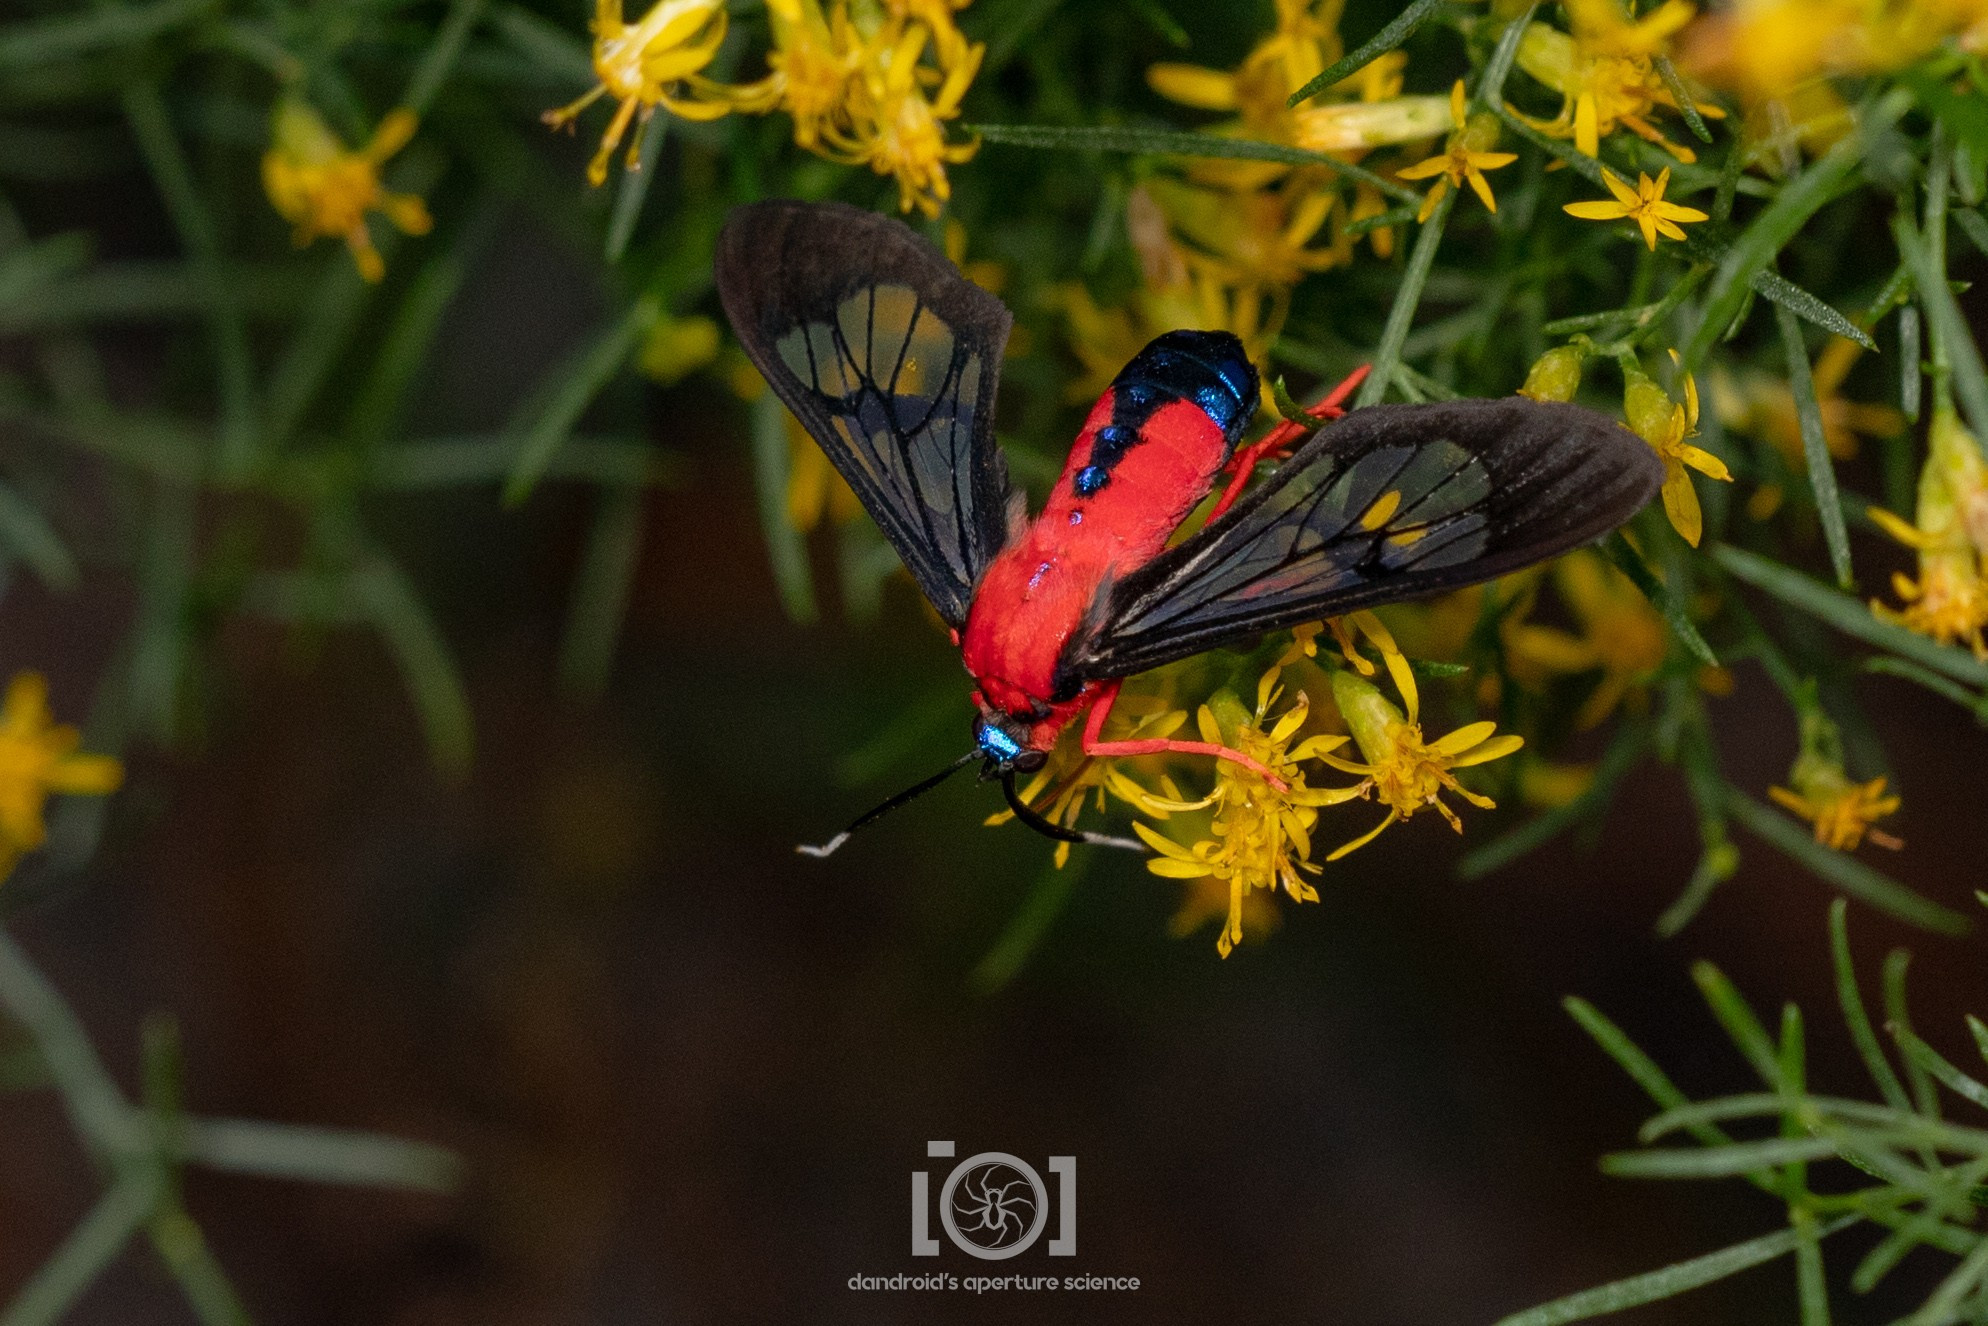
(994, 1205)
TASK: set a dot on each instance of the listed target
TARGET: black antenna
(909, 793)
(1049, 829)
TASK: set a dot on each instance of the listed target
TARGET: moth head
(1003, 740)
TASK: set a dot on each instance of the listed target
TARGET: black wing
(890, 358)
(1389, 503)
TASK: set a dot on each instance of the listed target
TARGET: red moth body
(1149, 451)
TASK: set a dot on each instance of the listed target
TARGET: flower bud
(1555, 375)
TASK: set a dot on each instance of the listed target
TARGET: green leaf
(634, 188)
(1950, 326)
(96, 1107)
(319, 1155)
(545, 45)
(1653, 1286)
(30, 537)
(573, 389)
(1396, 32)
(1718, 1162)
(1844, 872)
(381, 595)
(785, 547)
(600, 592)
(1851, 1000)
(88, 1251)
(106, 27)
(1408, 295)
(1821, 469)
(1047, 898)
(1936, 1064)
(441, 54)
(1847, 614)
(1681, 96)
(1675, 611)
(1737, 1017)
(1177, 143)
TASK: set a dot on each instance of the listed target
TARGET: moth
(891, 360)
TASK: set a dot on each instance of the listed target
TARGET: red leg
(1243, 464)
(1094, 728)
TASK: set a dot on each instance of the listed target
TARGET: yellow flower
(1768, 48)
(38, 757)
(639, 63)
(1841, 810)
(1643, 204)
(1305, 41)
(1605, 73)
(1401, 770)
(1105, 339)
(1949, 601)
(677, 347)
(1665, 424)
(1555, 375)
(1258, 837)
(1621, 634)
(1262, 237)
(1764, 406)
(323, 188)
(1072, 777)
(1464, 160)
(894, 127)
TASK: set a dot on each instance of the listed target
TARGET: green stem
(1402, 315)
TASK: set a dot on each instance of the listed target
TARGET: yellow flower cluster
(866, 84)
(1843, 811)
(1949, 600)
(1666, 424)
(38, 758)
(1772, 49)
(325, 189)
(1606, 73)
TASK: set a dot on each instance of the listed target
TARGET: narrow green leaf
(1737, 1017)
(544, 45)
(1639, 1066)
(312, 351)
(634, 188)
(1680, 95)
(573, 389)
(94, 31)
(1821, 469)
(1674, 610)
(183, 1248)
(1911, 373)
(1407, 297)
(1847, 614)
(1718, 1162)
(1946, 1302)
(381, 595)
(1491, 88)
(96, 1107)
(89, 1249)
(1898, 1021)
(1949, 325)
(441, 54)
(1811, 1289)
(1973, 702)
(600, 592)
(158, 142)
(30, 537)
(1844, 872)
(1631, 742)
(1047, 898)
(1851, 1000)
(1778, 289)
(1178, 143)
(1973, 225)
(785, 548)
(1396, 32)
(319, 1155)
(1654, 1286)
(1936, 1064)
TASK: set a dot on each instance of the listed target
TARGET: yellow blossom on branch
(1665, 425)
(38, 758)
(1621, 635)
(325, 189)
(1463, 160)
(1401, 770)
(642, 65)
(1605, 73)
(1843, 811)
(1949, 600)
(1644, 204)
(1258, 837)
(1767, 49)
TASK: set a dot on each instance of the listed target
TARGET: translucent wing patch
(890, 358)
(1389, 503)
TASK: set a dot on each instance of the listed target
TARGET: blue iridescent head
(1209, 368)
(1003, 747)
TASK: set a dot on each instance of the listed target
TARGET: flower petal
(1495, 749)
